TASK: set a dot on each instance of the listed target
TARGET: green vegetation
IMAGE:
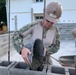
(3, 11)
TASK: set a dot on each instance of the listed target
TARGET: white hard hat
(53, 12)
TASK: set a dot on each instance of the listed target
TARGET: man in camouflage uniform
(45, 31)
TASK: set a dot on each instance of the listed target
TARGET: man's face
(48, 24)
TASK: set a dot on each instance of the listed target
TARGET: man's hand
(25, 52)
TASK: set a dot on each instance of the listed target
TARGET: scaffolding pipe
(44, 7)
(43, 30)
(31, 14)
(44, 18)
(9, 31)
(75, 43)
(15, 22)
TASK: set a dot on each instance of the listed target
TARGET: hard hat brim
(51, 19)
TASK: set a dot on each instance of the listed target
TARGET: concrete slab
(5, 66)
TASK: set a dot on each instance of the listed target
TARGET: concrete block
(5, 66)
(72, 72)
(21, 68)
(57, 70)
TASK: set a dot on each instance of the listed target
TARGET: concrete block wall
(66, 30)
(21, 68)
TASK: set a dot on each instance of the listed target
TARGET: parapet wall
(66, 30)
(4, 43)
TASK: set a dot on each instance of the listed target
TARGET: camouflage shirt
(17, 39)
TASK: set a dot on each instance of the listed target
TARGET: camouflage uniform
(17, 40)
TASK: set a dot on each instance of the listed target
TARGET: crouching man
(45, 30)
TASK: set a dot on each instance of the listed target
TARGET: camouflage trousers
(38, 58)
(36, 64)
(38, 55)
(47, 60)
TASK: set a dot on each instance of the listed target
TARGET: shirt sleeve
(18, 36)
(54, 47)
